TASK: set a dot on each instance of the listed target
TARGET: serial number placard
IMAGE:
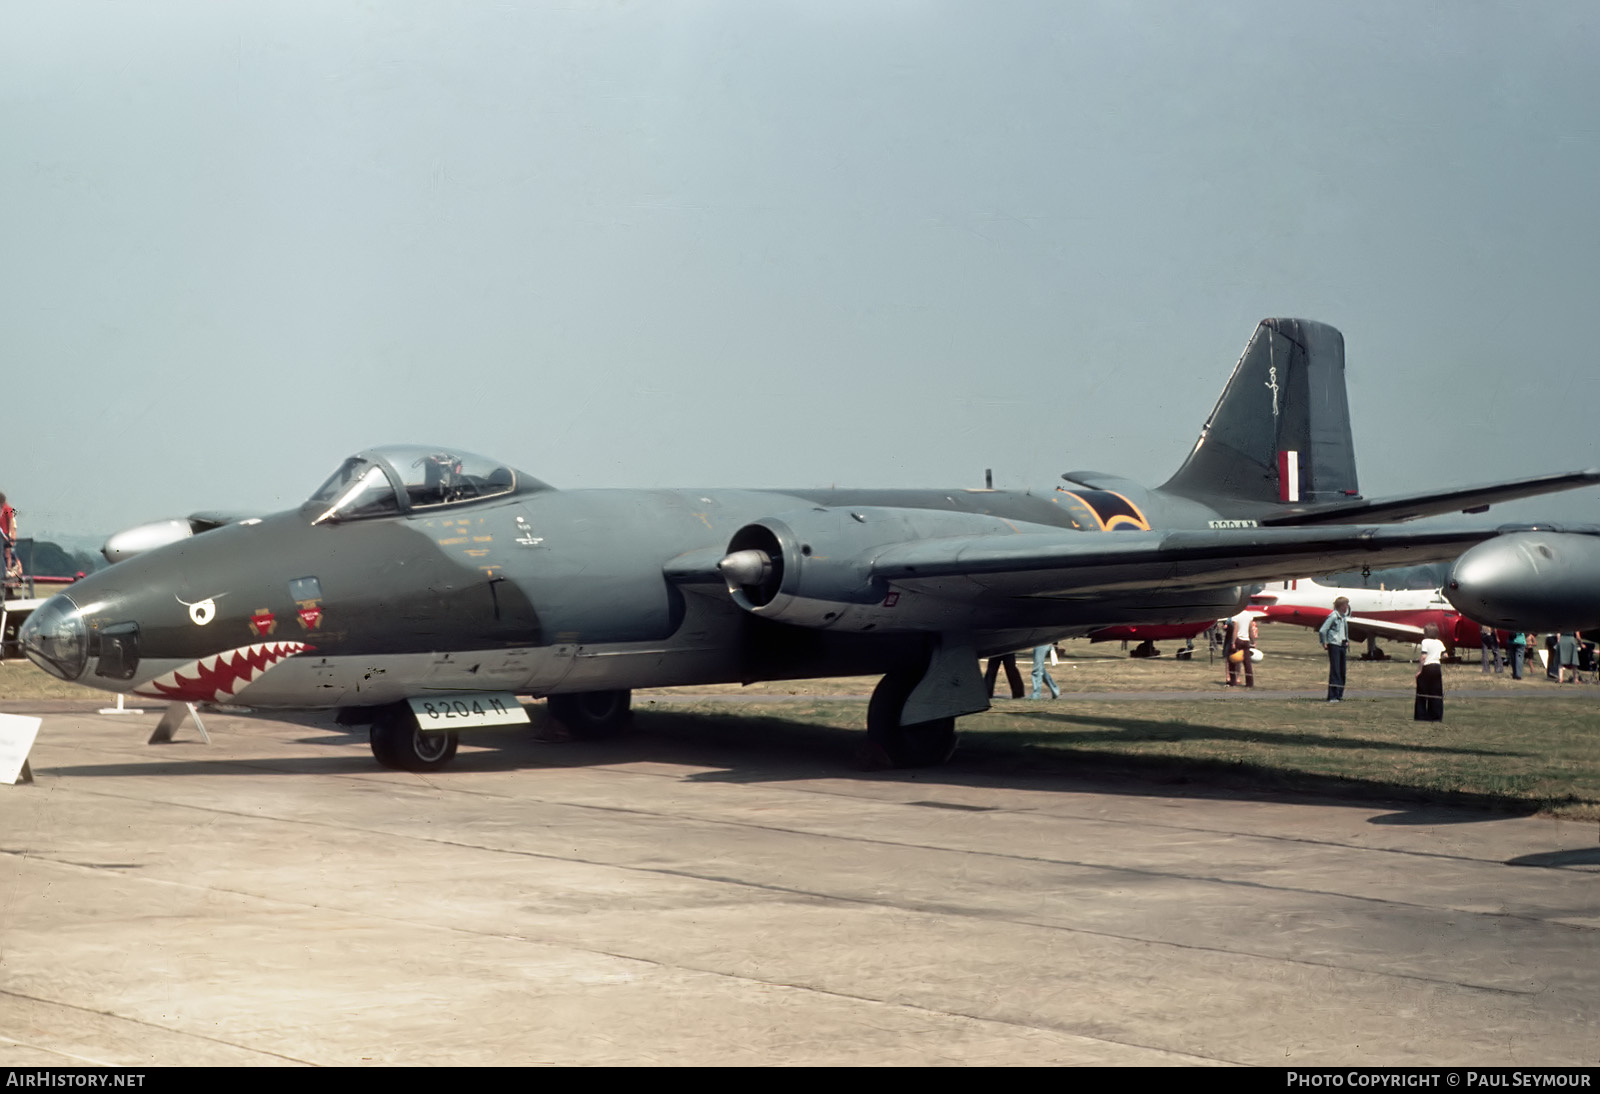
(464, 711)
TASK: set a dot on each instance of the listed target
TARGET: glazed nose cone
(56, 639)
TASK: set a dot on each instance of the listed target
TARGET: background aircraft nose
(55, 639)
(1536, 581)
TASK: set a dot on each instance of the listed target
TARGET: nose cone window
(55, 640)
(119, 651)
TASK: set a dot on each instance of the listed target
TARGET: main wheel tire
(593, 715)
(398, 742)
(890, 744)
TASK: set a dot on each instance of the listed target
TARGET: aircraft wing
(1466, 499)
(1074, 564)
(1383, 628)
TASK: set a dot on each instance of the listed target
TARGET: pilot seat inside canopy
(406, 478)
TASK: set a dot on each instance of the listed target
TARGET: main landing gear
(911, 720)
(890, 744)
(592, 715)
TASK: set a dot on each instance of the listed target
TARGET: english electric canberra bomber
(421, 590)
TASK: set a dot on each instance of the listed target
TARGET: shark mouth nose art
(218, 677)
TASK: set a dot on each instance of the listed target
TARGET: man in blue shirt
(1335, 636)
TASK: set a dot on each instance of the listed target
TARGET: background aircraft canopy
(403, 478)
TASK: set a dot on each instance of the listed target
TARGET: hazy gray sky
(732, 243)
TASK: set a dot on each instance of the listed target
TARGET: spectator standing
(1013, 675)
(1491, 649)
(8, 538)
(1245, 631)
(1567, 647)
(1429, 704)
(1041, 673)
(1335, 636)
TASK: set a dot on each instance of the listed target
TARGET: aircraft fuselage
(541, 593)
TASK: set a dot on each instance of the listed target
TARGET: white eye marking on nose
(201, 611)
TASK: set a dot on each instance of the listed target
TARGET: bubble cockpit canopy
(405, 478)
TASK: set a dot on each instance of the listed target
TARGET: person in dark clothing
(1567, 645)
(1429, 705)
(1491, 650)
(1013, 674)
(1335, 636)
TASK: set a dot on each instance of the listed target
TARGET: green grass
(1527, 747)
(21, 679)
(1532, 746)
(1529, 752)
(1523, 755)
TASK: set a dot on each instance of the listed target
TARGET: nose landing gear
(398, 742)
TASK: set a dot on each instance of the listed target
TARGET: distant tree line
(41, 558)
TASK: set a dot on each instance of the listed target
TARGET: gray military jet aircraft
(417, 580)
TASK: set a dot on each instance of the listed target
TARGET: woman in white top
(1429, 706)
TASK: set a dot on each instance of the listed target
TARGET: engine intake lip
(758, 594)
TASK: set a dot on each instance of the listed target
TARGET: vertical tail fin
(1281, 431)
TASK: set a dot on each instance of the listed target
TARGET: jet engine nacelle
(813, 567)
(158, 533)
(145, 537)
(1530, 581)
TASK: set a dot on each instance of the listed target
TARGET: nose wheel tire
(890, 744)
(398, 742)
(592, 715)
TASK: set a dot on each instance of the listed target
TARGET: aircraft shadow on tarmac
(743, 748)
(766, 748)
(1157, 729)
(1581, 856)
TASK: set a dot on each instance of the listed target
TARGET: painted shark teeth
(218, 677)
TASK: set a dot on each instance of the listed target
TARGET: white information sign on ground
(468, 710)
(17, 732)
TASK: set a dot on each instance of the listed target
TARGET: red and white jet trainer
(1386, 613)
